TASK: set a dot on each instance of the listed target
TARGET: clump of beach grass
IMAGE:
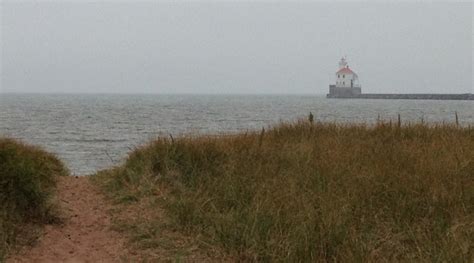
(314, 192)
(27, 182)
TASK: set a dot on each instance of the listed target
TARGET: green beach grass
(27, 182)
(310, 192)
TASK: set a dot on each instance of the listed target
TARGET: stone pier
(415, 96)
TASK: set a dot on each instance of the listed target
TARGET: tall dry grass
(314, 192)
(27, 181)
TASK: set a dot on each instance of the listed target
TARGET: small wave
(95, 140)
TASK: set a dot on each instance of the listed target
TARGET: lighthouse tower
(345, 77)
(347, 82)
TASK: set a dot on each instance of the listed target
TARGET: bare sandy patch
(85, 234)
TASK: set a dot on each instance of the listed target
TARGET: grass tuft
(27, 181)
(311, 192)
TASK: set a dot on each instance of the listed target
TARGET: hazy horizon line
(150, 93)
(189, 93)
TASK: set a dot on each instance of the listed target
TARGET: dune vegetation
(311, 192)
(27, 181)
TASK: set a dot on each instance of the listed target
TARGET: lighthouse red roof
(345, 70)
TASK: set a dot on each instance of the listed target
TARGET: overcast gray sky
(234, 47)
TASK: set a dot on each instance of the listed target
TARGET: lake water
(92, 132)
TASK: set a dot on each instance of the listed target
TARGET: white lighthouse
(345, 77)
(347, 82)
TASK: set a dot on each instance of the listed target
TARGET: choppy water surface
(91, 132)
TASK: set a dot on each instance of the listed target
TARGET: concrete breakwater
(415, 96)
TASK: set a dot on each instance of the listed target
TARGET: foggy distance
(234, 48)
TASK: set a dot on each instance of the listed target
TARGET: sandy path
(85, 234)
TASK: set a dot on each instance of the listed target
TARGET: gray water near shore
(93, 132)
